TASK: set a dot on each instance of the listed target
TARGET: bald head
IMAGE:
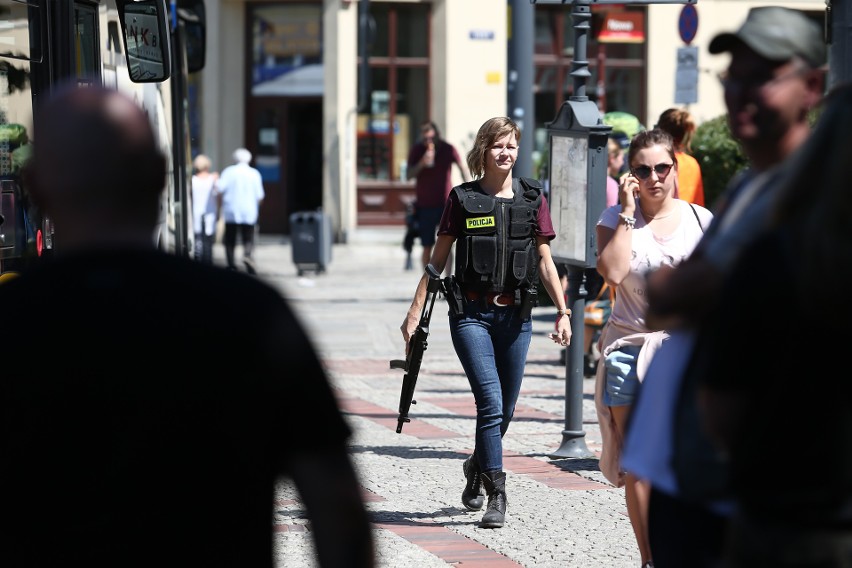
(95, 155)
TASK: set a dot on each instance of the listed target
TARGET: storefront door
(286, 140)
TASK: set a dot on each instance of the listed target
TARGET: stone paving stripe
(549, 474)
(524, 411)
(462, 405)
(370, 497)
(284, 527)
(449, 546)
(465, 406)
(362, 367)
(384, 417)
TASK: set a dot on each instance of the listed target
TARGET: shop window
(286, 51)
(399, 83)
(616, 63)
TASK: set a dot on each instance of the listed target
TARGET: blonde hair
(679, 124)
(201, 163)
(492, 130)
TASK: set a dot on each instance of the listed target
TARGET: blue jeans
(622, 380)
(492, 345)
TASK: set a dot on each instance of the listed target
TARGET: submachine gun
(417, 345)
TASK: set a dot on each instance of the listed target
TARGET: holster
(529, 300)
(453, 293)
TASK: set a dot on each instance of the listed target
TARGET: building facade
(283, 79)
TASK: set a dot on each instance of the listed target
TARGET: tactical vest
(497, 250)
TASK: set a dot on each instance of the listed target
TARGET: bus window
(15, 31)
(85, 41)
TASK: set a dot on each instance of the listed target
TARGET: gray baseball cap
(778, 34)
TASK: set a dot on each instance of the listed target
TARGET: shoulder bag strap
(694, 212)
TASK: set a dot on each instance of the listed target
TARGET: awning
(306, 81)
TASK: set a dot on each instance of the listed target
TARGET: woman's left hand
(563, 331)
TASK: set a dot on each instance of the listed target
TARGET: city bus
(145, 48)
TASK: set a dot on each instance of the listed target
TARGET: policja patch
(479, 222)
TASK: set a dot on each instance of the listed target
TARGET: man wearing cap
(774, 78)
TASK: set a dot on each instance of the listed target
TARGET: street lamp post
(578, 161)
(521, 103)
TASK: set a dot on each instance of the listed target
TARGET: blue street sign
(687, 24)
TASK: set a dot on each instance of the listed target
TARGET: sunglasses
(644, 172)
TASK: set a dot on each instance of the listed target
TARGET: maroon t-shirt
(435, 183)
(453, 218)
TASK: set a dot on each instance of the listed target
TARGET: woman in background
(614, 165)
(679, 124)
(205, 208)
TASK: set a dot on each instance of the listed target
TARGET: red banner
(623, 27)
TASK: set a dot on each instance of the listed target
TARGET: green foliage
(719, 155)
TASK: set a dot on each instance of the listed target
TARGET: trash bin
(310, 239)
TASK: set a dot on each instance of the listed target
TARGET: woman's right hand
(408, 327)
(628, 193)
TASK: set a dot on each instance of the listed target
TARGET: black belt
(491, 298)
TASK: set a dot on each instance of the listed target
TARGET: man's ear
(815, 81)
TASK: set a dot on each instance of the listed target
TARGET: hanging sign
(623, 27)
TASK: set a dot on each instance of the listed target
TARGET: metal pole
(521, 104)
(581, 16)
(364, 84)
(573, 436)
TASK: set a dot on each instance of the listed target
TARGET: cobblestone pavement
(561, 512)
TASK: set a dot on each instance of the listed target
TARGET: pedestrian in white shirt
(241, 188)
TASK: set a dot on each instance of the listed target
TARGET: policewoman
(502, 231)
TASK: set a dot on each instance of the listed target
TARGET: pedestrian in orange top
(680, 125)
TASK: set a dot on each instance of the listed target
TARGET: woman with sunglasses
(650, 228)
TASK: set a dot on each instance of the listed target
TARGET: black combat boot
(472, 497)
(495, 487)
